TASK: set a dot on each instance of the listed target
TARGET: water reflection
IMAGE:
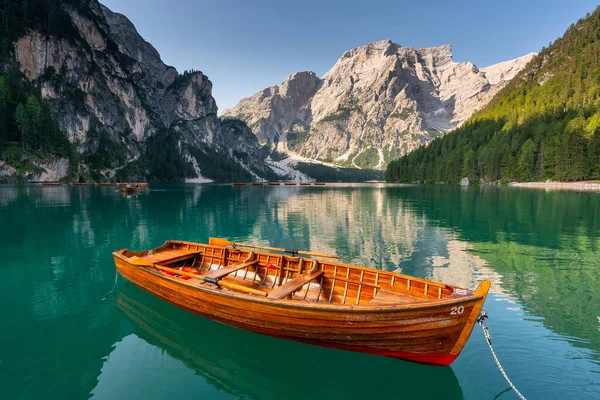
(257, 367)
(540, 249)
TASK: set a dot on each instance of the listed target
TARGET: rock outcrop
(378, 102)
(112, 93)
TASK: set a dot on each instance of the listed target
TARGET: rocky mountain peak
(378, 101)
(113, 95)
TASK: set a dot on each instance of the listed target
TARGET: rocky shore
(555, 185)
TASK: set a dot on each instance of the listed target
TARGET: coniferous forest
(27, 126)
(545, 124)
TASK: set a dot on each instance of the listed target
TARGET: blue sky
(245, 46)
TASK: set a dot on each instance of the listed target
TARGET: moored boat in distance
(50, 184)
(290, 183)
(319, 184)
(235, 184)
(131, 188)
(273, 184)
(310, 300)
(257, 184)
(81, 184)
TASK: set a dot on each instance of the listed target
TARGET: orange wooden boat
(290, 184)
(319, 184)
(305, 184)
(273, 184)
(238, 184)
(310, 300)
(130, 188)
(81, 184)
(138, 184)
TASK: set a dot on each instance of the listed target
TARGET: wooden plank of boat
(293, 285)
(222, 272)
(347, 307)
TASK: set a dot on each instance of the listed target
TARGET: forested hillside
(27, 127)
(545, 124)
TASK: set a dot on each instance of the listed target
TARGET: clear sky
(246, 45)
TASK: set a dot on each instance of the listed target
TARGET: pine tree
(22, 119)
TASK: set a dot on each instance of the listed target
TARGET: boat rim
(476, 295)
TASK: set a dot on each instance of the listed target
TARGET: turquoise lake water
(60, 340)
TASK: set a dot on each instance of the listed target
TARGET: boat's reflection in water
(259, 367)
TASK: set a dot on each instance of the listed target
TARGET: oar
(223, 242)
(228, 285)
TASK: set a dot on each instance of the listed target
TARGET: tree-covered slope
(545, 124)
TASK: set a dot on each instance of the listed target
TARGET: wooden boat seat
(222, 272)
(170, 255)
(293, 285)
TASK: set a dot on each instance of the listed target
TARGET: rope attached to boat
(114, 286)
(488, 338)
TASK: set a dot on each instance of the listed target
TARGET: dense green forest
(545, 124)
(324, 173)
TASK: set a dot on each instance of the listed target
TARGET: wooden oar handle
(242, 288)
(228, 285)
(224, 242)
(308, 253)
(177, 272)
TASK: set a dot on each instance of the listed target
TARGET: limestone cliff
(112, 93)
(379, 101)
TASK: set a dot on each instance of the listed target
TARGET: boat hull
(429, 334)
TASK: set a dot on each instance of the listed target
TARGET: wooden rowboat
(235, 184)
(310, 300)
(131, 188)
(138, 184)
(81, 184)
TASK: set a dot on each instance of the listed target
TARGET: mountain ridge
(126, 113)
(378, 101)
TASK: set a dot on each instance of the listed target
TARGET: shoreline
(554, 185)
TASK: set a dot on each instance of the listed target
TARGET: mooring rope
(488, 338)
(114, 286)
